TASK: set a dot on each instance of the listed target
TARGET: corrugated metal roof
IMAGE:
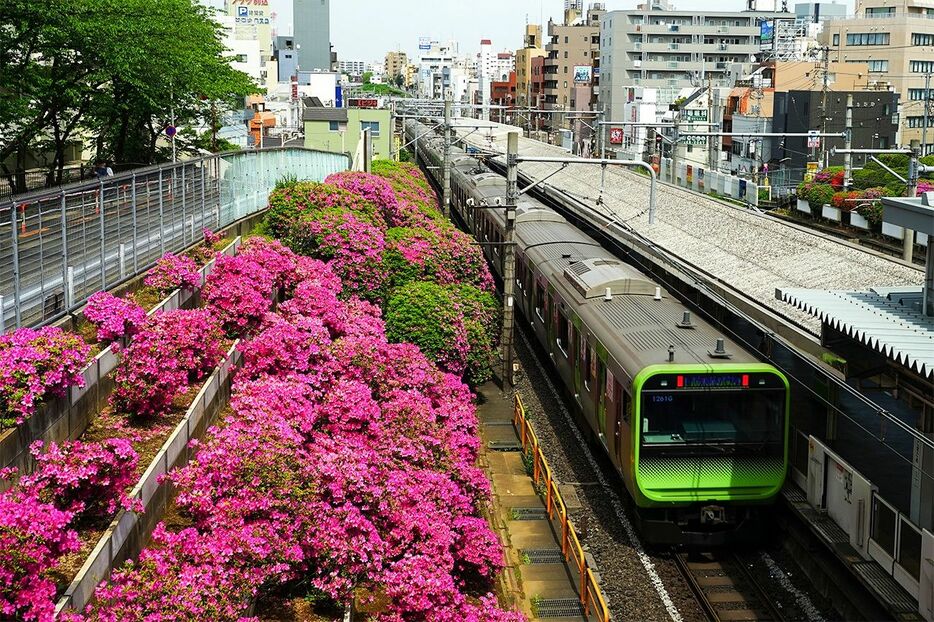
(324, 114)
(899, 332)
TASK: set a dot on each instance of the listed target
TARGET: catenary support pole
(848, 143)
(446, 185)
(509, 257)
(927, 110)
(908, 241)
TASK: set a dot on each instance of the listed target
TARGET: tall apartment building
(657, 46)
(531, 49)
(395, 64)
(896, 39)
(352, 67)
(572, 60)
(312, 34)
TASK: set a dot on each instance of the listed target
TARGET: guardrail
(59, 246)
(589, 590)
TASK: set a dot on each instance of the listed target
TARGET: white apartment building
(657, 46)
(352, 67)
(435, 66)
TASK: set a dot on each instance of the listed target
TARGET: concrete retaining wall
(129, 532)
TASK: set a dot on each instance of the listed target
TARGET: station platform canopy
(888, 321)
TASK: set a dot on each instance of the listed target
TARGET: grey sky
(367, 29)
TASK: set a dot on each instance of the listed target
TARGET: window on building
(916, 122)
(334, 126)
(921, 66)
(565, 53)
(836, 40)
(566, 40)
(922, 38)
(875, 66)
(880, 11)
(373, 126)
(242, 58)
(867, 38)
(565, 84)
(916, 94)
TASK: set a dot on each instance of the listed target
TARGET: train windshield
(739, 418)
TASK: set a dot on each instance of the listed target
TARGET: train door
(601, 392)
(577, 354)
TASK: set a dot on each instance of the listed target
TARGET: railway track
(726, 589)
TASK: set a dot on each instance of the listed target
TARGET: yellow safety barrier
(590, 595)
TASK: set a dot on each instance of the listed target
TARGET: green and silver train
(695, 425)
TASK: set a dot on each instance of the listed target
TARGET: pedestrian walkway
(545, 563)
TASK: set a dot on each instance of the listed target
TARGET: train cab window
(564, 334)
(540, 301)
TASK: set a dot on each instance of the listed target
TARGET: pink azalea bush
(87, 480)
(347, 461)
(172, 350)
(33, 536)
(173, 272)
(239, 291)
(35, 365)
(114, 318)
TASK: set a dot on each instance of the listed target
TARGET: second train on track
(695, 425)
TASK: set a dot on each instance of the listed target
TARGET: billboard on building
(583, 73)
(766, 34)
(616, 136)
(252, 22)
(424, 43)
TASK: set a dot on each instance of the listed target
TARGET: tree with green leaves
(108, 71)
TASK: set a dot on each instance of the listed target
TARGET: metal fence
(57, 247)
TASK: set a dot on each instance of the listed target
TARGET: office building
(896, 39)
(572, 61)
(312, 34)
(286, 57)
(531, 49)
(659, 47)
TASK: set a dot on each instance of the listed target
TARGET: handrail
(591, 597)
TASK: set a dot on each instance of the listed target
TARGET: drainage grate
(529, 513)
(504, 445)
(559, 608)
(541, 556)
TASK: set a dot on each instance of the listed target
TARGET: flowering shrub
(455, 326)
(114, 317)
(87, 480)
(33, 536)
(173, 272)
(239, 291)
(35, 364)
(172, 349)
(347, 461)
(210, 238)
(291, 203)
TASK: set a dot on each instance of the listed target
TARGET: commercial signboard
(583, 74)
(766, 34)
(694, 115)
(424, 43)
(616, 136)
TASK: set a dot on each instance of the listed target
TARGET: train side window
(587, 354)
(564, 333)
(540, 301)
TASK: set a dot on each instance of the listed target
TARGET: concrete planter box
(858, 221)
(830, 213)
(893, 231)
(129, 532)
(803, 206)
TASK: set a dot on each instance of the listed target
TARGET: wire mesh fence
(58, 247)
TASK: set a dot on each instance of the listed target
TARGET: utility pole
(848, 144)
(601, 137)
(914, 168)
(823, 105)
(446, 196)
(509, 256)
(711, 139)
(673, 177)
(927, 107)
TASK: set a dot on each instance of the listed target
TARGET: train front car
(710, 451)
